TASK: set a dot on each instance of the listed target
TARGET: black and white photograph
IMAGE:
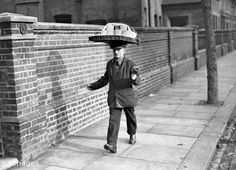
(117, 84)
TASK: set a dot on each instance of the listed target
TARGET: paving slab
(167, 93)
(154, 152)
(6, 163)
(178, 101)
(103, 123)
(142, 126)
(153, 113)
(118, 163)
(93, 132)
(162, 106)
(198, 108)
(68, 159)
(194, 115)
(180, 142)
(55, 168)
(185, 85)
(197, 96)
(178, 89)
(85, 145)
(100, 129)
(40, 167)
(82, 144)
(34, 166)
(174, 121)
(188, 131)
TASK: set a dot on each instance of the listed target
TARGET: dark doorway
(179, 21)
(63, 18)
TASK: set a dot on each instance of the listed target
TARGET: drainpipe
(149, 13)
(169, 56)
(115, 10)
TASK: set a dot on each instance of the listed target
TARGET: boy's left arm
(135, 79)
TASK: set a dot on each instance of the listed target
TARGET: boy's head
(119, 51)
(119, 48)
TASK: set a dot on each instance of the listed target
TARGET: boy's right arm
(103, 81)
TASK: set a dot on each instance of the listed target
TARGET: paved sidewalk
(174, 130)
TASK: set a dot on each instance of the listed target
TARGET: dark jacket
(121, 85)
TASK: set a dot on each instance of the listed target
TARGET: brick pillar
(169, 33)
(230, 40)
(195, 48)
(234, 37)
(222, 43)
(18, 83)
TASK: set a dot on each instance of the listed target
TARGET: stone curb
(222, 146)
(204, 148)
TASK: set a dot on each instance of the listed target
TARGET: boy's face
(118, 52)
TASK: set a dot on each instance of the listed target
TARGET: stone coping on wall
(26, 1)
(177, 2)
(18, 37)
(62, 26)
(11, 17)
(161, 29)
(223, 30)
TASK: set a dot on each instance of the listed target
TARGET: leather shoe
(132, 139)
(110, 148)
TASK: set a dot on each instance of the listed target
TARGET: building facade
(141, 13)
(189, 12)
(138, 13)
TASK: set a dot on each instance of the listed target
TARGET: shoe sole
(106, 147)
(132, 143)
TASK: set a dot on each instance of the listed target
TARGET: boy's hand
(89, 88)
(133, 76)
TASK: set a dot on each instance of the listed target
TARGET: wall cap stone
(26, 1)
(63, 26)
(12, 17)
(160, 29)
(18, 37)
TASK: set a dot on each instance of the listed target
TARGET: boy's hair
(114, 44)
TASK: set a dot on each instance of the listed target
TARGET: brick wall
(45, 71)
(224, 40)
(181, 52)
(66, 64)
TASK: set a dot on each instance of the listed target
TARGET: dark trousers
(114, 123)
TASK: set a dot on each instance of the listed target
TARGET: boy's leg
(130, 120)
(114, 125)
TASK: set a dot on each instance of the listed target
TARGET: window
(145, 17)
(63, 18)
(160, 21)
(156, 20)
(214, 22)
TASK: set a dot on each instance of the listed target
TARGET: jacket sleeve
(135, 70)
(103, 81)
